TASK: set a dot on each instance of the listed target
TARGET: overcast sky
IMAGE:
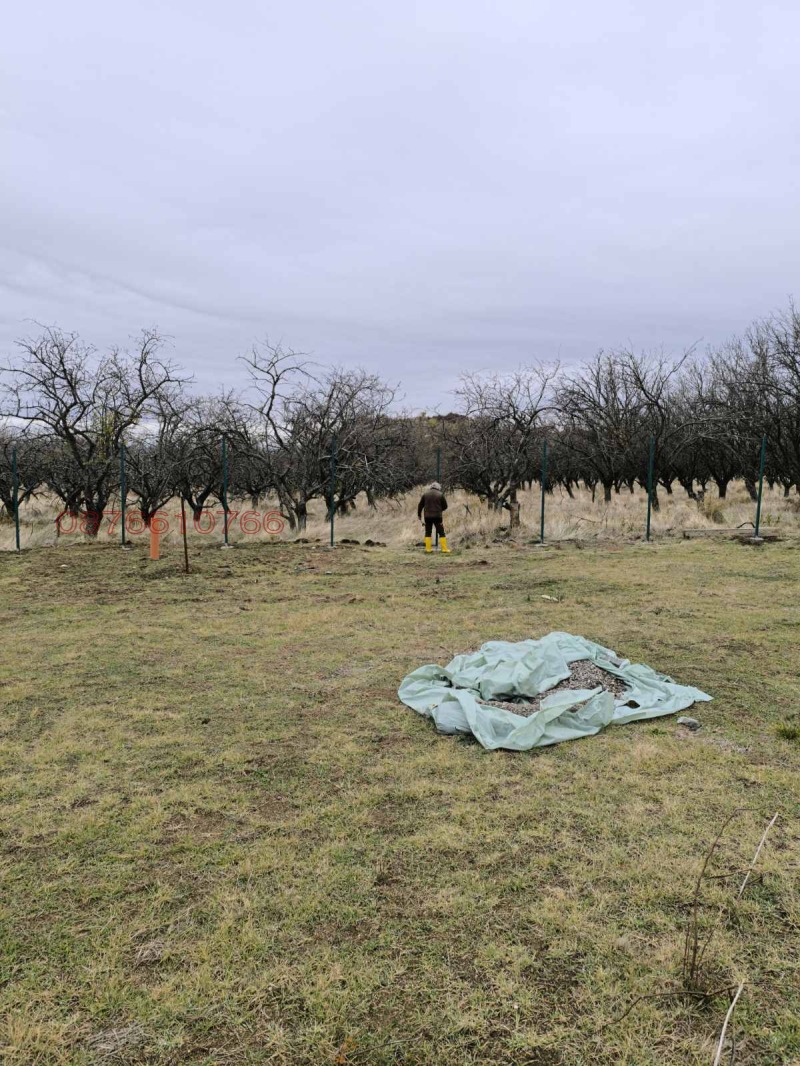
(418, 188)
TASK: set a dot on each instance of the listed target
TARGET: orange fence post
(154, 543)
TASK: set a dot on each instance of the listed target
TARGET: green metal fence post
(333, 484)
(15, 493)
(762, 463)
(544, 482)
(439, 479)
(123, 489)
(650, 469)
(225, 488)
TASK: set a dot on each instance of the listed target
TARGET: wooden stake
(185, 542)
(728, 1016)
(752, 865)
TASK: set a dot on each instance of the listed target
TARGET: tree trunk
(196, 504)
(93, 518)
(147, 511)
(70, 510)
(607, 487)
(513, 509)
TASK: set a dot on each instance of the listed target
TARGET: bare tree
(29, 467)
(499, 439)
(301, 414)
(600, 406)
(152, 459)
(780, 394)
(653, 380)
(85, 403)
(197, 447)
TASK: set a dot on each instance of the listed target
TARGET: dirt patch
(584, 674)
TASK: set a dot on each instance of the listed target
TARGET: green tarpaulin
(452, 695)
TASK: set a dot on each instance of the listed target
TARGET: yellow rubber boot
(443, 545)
(428, 547)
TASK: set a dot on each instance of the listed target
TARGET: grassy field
(224, 840)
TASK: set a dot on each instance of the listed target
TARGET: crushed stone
(584, 674)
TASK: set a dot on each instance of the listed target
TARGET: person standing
(431, 507)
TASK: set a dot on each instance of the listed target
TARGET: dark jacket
(433, 504)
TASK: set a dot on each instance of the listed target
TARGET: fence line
(225, 488)
(651, 486)
(651, 462)
(761, 463)
(544, 485)
(333, 485)
(123, 491)
(15, 495)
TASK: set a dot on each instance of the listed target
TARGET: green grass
(224, 840)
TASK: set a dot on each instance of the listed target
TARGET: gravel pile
(584, 675)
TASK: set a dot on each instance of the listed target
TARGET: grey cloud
(421, 189)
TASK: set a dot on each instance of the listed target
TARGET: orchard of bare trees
(70, 416)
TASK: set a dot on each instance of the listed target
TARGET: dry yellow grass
(471, 522)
